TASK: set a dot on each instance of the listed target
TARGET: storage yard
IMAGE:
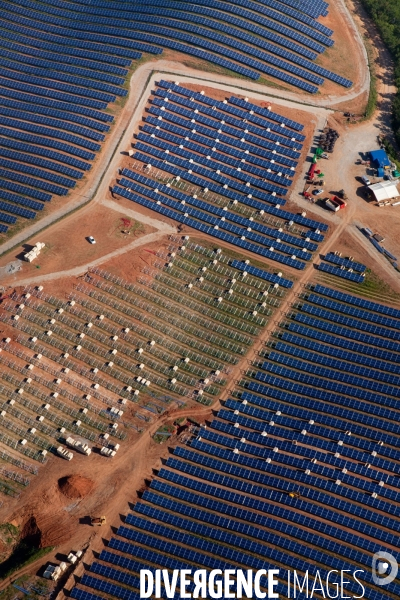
(199, 296)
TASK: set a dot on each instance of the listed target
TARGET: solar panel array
(244, 36)
(298, 470)
(340, 271)
(55, 88)
(212, 158)
(63, 63)
(349, 264)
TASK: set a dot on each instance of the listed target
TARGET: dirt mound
(75, 486)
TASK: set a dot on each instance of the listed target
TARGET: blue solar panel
(339, 272)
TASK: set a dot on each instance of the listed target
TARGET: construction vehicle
(63, 452)
(98, 521)
(294, 495)
(78, 446)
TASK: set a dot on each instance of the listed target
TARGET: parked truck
(107, 451)
(63, 452)
(78, 446)
(335, 203)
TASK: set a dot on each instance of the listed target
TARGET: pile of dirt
(75, 486)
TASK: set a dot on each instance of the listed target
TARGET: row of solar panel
(350, 322)
(177, 19)
(328, 396)
(286, 24)
(191, 120)
(349, 264)
(52, 74)
(70, 36)
(27, 117)
(317, 72)
(15, 187)
(277, 439)
(318, 437)
(36, 102)
(361, 302)
(12, 165)
(241, 243)
(223, 214)
(162, 129)
(57, 114)
(214, 139)
(267, 114)
(270, 535)
(97, 15)
(112, 10)
(35, 183)
(359, 313)
(96, 52)
(285, 480)
(16, 210)
(265, 121)
(226, 537)
(308, 416)
(78, 91)
(20, 200)
(217, 222)
(207, 185)
(272, 497)
(343, 357)
(378, 457)
(36, 151)
(214, 160)
(342, 376)
(257, 32)
(374, 414)
(59, 66)
(283, 434)
(291, 217)
(84, 63)
(133, 24)
(260, 273)
(148, 46)
(221, 113)
(218, 556)
(363, 393)
(173, 20)
(51, 132)
(262, 519)
(188, 162)
(346, 332)
(326, 268)
(39, 87)
(44, 141)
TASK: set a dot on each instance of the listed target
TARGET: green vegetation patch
(386, 15)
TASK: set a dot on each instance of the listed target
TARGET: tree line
(386, 15)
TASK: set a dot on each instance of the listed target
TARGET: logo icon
(384, 568)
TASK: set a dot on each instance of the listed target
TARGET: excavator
(97, 521)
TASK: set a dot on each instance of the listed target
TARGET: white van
(365, 180)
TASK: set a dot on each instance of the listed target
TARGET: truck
(335, 203)
(107, 451)
(78, 446)
(63, 452)
(98, 521)
(52, 572)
